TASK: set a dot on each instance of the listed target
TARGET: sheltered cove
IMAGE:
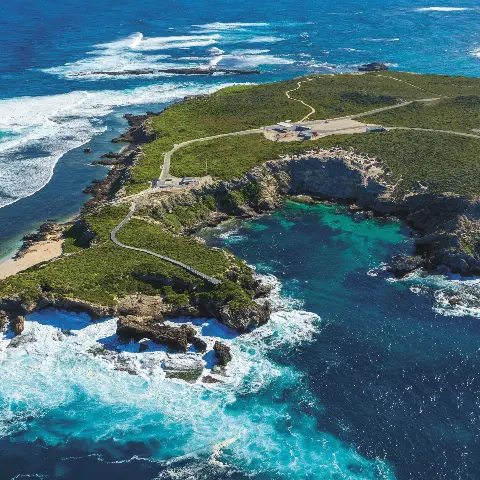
(329, 168)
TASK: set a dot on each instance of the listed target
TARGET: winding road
(167, 160)
(196, 273)
(168, 156)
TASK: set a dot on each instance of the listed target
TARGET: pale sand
(40, 252)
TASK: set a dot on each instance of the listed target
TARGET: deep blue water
(355, 377)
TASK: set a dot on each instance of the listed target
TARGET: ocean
(357, 376)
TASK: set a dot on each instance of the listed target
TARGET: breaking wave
(78, 387)
(442, 9)
(42, 129)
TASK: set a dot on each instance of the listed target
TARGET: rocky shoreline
(446, 227)
(170, 71)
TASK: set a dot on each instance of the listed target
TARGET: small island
(390, 143)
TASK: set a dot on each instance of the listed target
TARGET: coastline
(41, 252)
(329, 173)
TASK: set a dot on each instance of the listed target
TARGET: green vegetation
(435, 85)
(104, 272)
(228, 157)
(98, 271)
(251, 106)
(446, 162)
(459, 114)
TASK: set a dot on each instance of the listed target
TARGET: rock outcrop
(173, 71)
(222, 352)
(373, 67)
(154, 329)
(401, 265)
(187, 366)
(17, 325)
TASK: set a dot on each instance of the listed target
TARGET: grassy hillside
(251, 106)
(460, 114)
(104, 272)
(446, 162)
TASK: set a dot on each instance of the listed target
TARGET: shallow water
(354, 377)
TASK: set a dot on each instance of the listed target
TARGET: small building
(305, 135)
(376, 128)
(187, 180)
(301, 128)
(286, 126)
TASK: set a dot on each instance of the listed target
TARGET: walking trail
(193, 271)
(312, 110)
(168, 156)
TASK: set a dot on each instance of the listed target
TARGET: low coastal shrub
(460, 114)
(251, 106)
(447, 163)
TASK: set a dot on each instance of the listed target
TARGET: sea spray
(67, 379)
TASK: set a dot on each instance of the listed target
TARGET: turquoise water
(354, 377)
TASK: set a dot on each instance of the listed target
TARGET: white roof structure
(285, 124)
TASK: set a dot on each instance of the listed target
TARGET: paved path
(189, 269)
(312, 110)
(177, 146)
(450, 132)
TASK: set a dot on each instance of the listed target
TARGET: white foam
(132, 53)
(220, 26)
(381, 40)
(56, 124)
(140, 43)
(476, 52)
(250, 58)
(454, 295)
(52, 372)
(265, 39)
(442, 9)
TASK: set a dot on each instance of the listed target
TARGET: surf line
(217, 451)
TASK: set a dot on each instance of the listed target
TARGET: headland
(388, 144)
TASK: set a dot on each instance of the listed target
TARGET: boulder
(18, 325)
(210, 379)
(199, 344)
(243, 316)
(262, 290)
(20, 340)
(373, 67)
(222, 352)
(3, 320)
(185, 366)
(154, 329)
(141, 306)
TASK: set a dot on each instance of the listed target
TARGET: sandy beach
(40, 252)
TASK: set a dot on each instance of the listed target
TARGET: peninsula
(390, 143)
